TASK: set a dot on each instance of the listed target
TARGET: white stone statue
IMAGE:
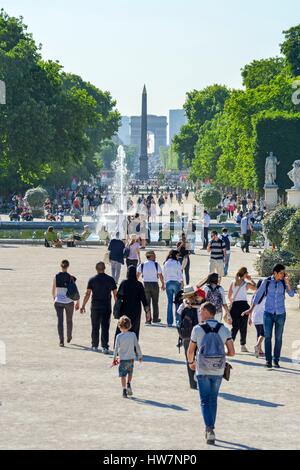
(271, 170)
(294, 174)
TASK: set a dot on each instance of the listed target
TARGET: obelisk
(144, 174)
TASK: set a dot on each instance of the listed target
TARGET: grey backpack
(211, 354)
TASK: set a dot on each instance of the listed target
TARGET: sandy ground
(70, 398)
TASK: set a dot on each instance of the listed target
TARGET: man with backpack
(209, 339)
(273, 291)
(151, 272)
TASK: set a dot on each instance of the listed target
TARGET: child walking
(126, 348)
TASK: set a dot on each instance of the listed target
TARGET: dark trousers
(100, 317)
(69, 308)
(191, 373)
(136, 323)
(239, 323)
(152, 294)
(205, 239)
(187, 271)
(131, 262)
(245, 245)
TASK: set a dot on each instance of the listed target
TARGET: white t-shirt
(149, 271)
(133, 251)
(172, 271)
(239, 293)
(258, 313)
(206, 220)
(197, 337)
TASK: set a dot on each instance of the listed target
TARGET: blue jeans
(209, 386)
(172, 288)
(226, 263)
(271, 319)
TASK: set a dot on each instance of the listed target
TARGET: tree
(36, 198)
(291, 235)
(262, 72)
(52, 123)
(200, 107)
(108, 153)
(291, 49)
(275, 222)
(210, 198)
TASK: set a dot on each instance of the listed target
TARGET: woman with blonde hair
(238, 299)
(134, 256)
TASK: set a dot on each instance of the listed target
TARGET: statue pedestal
(293, 197)
(271, 197)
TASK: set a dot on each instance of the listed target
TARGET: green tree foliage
(275, 222)
(262, 72)
(277, 132)
(291, 235)
(291, 49)
(200, 107)
(53, 123)
(108, 153)
(210, 198)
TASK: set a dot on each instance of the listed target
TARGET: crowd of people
(208, 323)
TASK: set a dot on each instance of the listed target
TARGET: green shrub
(291, 235)
(275, 222)
(266, 261)
(210, 198)
(36, 198)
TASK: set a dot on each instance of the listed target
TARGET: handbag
(72, 291)
(227, 370)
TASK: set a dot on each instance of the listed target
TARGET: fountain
(115, 220)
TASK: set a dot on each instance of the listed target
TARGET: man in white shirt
(206, 223)
(246, 230)
(151, 272)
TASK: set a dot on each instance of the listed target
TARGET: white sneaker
(105, 351)
(244, 349)
(256, 350)
(210, 437)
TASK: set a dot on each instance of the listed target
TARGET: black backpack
(189, 319)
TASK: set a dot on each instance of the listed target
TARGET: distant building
(157, 132)
(124, 130)
(177, 118)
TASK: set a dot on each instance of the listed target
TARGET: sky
(172, 46)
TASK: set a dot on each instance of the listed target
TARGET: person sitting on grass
(51, 238)
(126, 348)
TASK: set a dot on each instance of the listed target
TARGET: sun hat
(188, 291)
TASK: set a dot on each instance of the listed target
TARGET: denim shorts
(126, 368)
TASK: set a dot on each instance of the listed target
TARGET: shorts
(216, 266)
(126, 368)
(260, 330)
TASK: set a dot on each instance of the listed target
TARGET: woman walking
(133, 296)
(134, 257)
(172, 272)
(60, 286)
(184, 258)
(238, 298)
(215, 294)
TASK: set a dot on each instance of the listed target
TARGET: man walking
(206, 223)
(151, 272)
(273, 291)
(217, 250)
(101, 286)
(246, 230)
(209, 338)
(116, 255)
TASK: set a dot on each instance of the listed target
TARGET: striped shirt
(217, 247)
